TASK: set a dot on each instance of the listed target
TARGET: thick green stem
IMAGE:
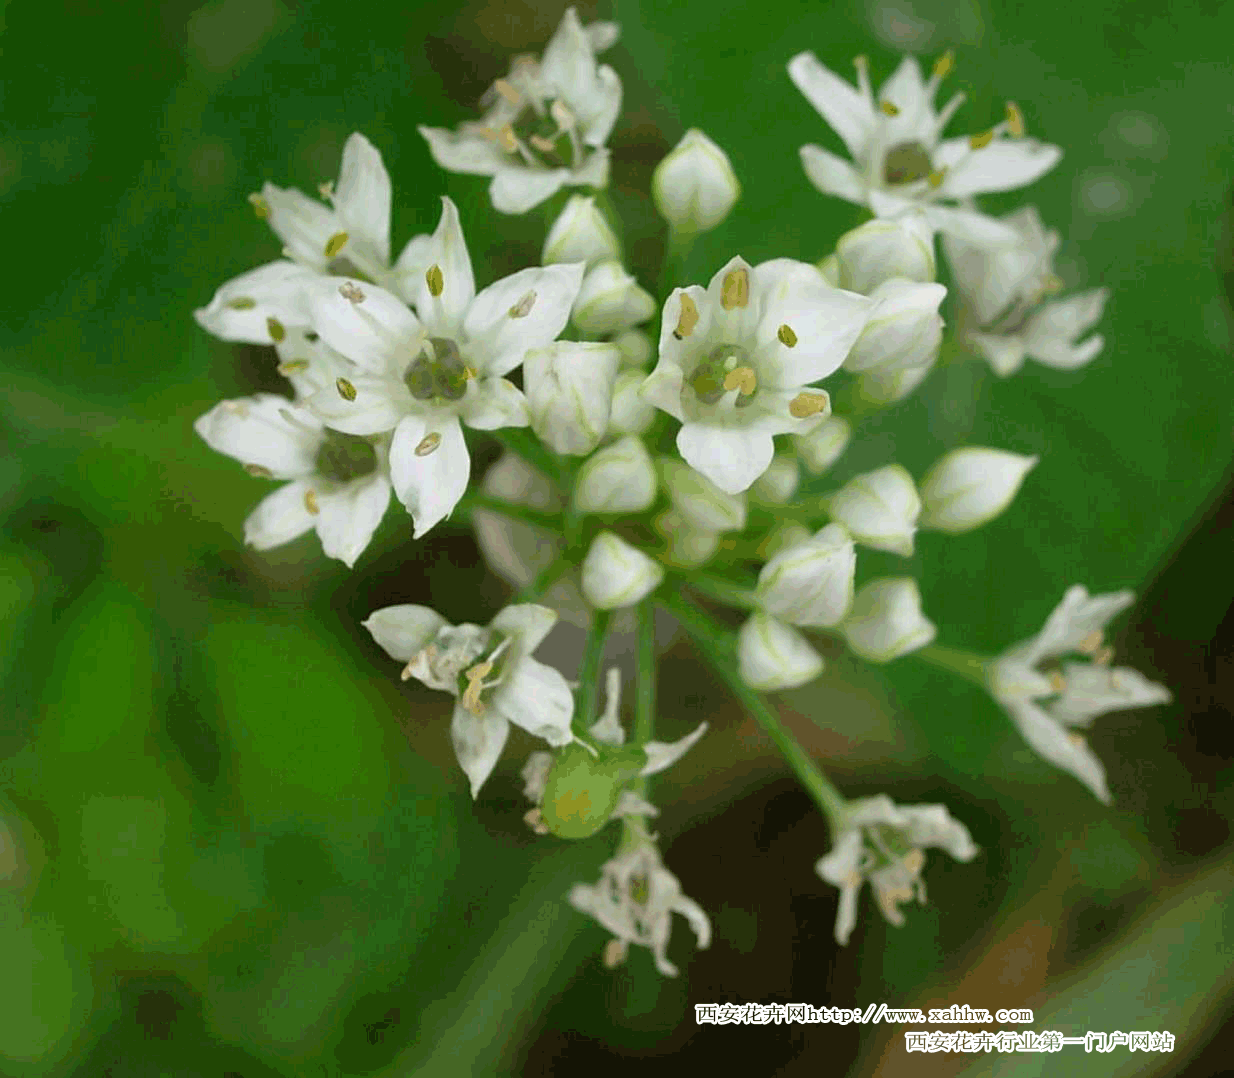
(717, 647)
(676, 252)
(589, 672)
(966, 664)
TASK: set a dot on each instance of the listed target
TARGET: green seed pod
(582, 790)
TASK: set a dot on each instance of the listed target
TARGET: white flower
(569, 389)
(489, 670)
(1003, 316)
(778, 483)
(901, 164)
(882, 249)
(905, 330)
(635, 899)
(886, 621)
(620, 478)
(694, 187)
(772, 656)
(699, 501)
(339, 483)
(820, 448)
(1049, 709)
(737, 357)
(811, 583)
(970, 486)
(616, 574)
(546, 124)
(630, 414)
(884, 843)
(419, 377)
(879, 509)
(610, 300)
(309, 364)
(259, 306)
(580, 234)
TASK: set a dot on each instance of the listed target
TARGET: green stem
(645, 683)
(538, 517)
(723, 591)
(676, 252)
(717, 647)
(589, 672)
(544, 579)
(966, 664)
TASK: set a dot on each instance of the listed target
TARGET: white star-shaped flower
(339, 483)
(1049, 708)
(884, 843)
(546, 124)
(901, 164)
(418, 377)
(489, 671)
(737, 360)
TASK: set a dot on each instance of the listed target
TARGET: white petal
(380, 404)
(404, 630)
(429, 484)
(1074, 619)
(517, 190)
(529, 622)
(731, 457)
(495, 403)
(279, 517)
(498, 337)
(886, 620)
(1005, 354)
(349, 515)
(970, 486)
(1064, 356)
(478, 742)
(362, 197)
(569, 389)
(256, 431)
(772, 656)
(379, 332)
(599, 113)
(662, 388)
(442, 315)
(1093, 690)
(811, 583)
(905, 88)
(969, 225)
(302, 223)
(836, 100)
(661, 755)
(1003, 165)
(1055, 743)
(833, 175)
(241, 309)
(465, 152)
(537, 698)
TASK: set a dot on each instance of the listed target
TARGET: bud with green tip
(580, 234)
(772, 656)
(970, 486)
(886, 620)
(882, 249)
(694, 187)
(811, 583)
(616, 574)
(620, 478)
(569, 389)
(879, 509)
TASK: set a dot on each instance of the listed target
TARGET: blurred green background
(234, 844)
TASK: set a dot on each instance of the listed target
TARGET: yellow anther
(742, 379)
(350, 292)
(1053, 283)
(326, 190)
(687, 320)
(293, 366)
(335, 244)
(945, 64)
(1103, 656)
(275, 328)
(1057, 682)
(475, 686)
(435, 279)
(1090, 643)
(469, 373)
(544, 145)
(935, 178)
(976, 142)
(805, 405)
(735, 289)
(614, 953)
(1076, 739)
(888, 109)
(345, 389)
(535, 820)
(523, 307)
(508, 92)
(425, 656)
(310, 501)
(787, 337)
(861, 61)
(258, 471)
(242, 304)
(428, 444)
(260, 206)
(1015, 120)
(507, 140)
(561, 114)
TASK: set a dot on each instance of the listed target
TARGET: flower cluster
(674, 467)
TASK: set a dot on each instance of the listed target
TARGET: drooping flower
(901, 164)
(420, 376)
(885, 843)
(739, 358)
(546, 122)
(338, 484)
(488, 670)
(1051, 708)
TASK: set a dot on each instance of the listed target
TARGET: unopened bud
(616, 574)
(772, 656)
(886, 620)
(580, 234)
(880, 509)
(694, 187)
(970, 486)
(620, 478)
(610, 299)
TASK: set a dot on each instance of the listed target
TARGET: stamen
(805, 405)
(535, 820)
(741, 378)
(507, 140)
(614, 953)
(888, 109)
(523, 307)
(735, 289)
(1090, 643)
(787, 337)
(275, 328)
(258, 471)
(1076, 739)
(1104, 655)
(475, 685)
(976, 142)
(242, 304)
(435, 280)
(544, 145)
(336, 243)
(326, 190)
(561, 114)
(260, 206)
(508, 92)
(345, 389)
(350, 292)
(945, 64)
(1015, 120)
(428, 444)
(1053, 283)
(935, 178)
(1057, 682)
(310, 501)
(687, 320)
(426, 655)
(293, 366)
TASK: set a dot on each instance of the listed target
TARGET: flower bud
(820, 448)
(970, 486)
(694, 187)
(635, 346)
(569, 388)
(580, 234)
(880, 509)
(905, 330)
(687, 547)
(812, 583)
(886, 387)
(884, 248)
(699, 501)
(630, 413)
(620, 478)
(778, 483)
(886, 620)
(616, 574)
(772, 656)
(610, 299)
